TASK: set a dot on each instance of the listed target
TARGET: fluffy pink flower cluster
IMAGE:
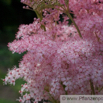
(57, 60)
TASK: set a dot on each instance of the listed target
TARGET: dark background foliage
(12, 15)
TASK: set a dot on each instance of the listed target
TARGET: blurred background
(12, 15)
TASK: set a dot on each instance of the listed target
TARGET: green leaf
(7, 2)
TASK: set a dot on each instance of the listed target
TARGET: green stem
(68, 13)
(92, 87)
(74, 24)
(40, 16)
(64, 88)
(52, 99)
(100, 89)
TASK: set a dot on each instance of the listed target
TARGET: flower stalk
(92, 87)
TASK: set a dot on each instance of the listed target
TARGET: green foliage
(7, 101)
(7, 60)
(12, 15)
(2, 75)
(17, 86)
(7, 2)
